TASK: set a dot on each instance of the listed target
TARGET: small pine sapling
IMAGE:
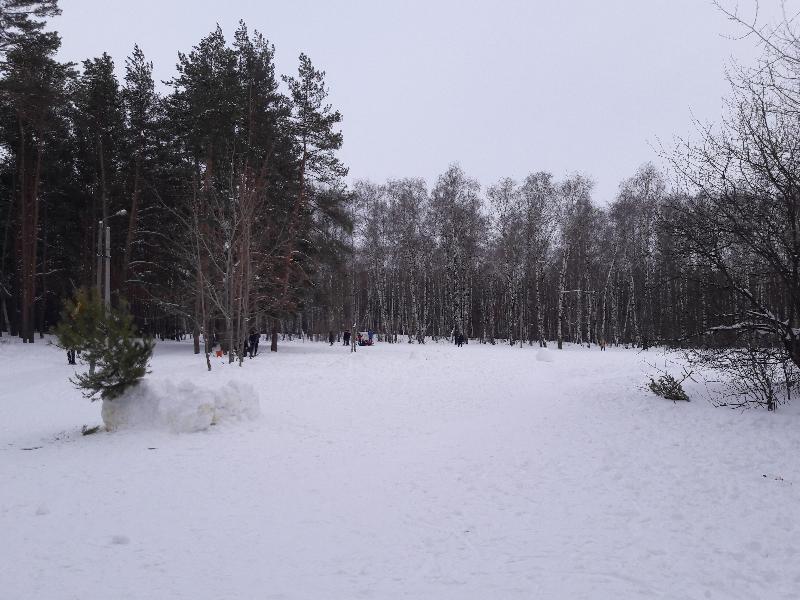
(108, 341)
(79, 328)
(669, 387)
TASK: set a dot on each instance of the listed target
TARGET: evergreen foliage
(108, 341)
(668, 387)
(22, 18)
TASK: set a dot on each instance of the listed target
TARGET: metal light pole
(104, 266)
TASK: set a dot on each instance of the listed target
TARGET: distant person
(71, 357)
(369, 335)
(602, 345)
(459, 339)
(254, 339)
(346, 337)
(331, 337)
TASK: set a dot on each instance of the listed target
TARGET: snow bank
(544, 355)
(180, 407)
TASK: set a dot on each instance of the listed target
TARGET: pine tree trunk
(200, 301)
(129, 238)
(30, 218)
(43, 301)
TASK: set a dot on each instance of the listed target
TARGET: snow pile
(236, 402)
(181, 408)
(544, 355)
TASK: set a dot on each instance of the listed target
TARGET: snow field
(401, 471)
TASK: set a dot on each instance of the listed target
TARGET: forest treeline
(220, 195)
(228, 212)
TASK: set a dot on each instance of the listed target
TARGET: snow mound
(180, 407)
(544, 355)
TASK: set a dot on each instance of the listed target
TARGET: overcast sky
(503, 87)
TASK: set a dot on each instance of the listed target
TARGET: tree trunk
(132, 224)
(197, 321)
(29, 212)
(562, 277)
(538, 279)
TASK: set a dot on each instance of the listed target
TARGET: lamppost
(104, 266)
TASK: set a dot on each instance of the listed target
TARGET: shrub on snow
(747, 376)
(668, 387)
(106, 339)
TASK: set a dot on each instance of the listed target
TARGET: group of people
(250, 346)
(361, 340)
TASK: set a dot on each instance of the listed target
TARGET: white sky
(504, 87)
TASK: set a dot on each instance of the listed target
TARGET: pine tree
(33, 91)
(107, 340)
(22, 18)
(100, 130)
(141, 105)
(313, 125)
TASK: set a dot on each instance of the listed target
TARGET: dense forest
(220, 207)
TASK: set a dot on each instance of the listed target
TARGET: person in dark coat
(254, 339)
(331, 337)
(460, 339)
(346, 338)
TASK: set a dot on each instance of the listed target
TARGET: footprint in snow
(42, 510)
(120, 540)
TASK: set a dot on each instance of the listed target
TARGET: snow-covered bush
(747, 376)
(106, 339)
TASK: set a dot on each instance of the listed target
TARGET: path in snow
(402, 471)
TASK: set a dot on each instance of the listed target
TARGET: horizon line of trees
(529, 262)
(229, 213)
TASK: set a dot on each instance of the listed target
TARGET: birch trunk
(562, 278)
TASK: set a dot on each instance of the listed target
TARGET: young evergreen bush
(108, 341)
(668, 387)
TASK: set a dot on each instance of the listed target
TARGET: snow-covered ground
(402, 471)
